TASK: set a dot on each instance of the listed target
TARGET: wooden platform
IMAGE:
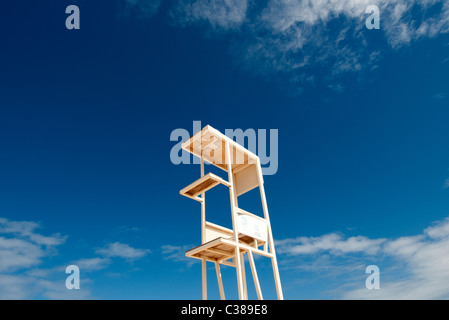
(210, 145)
(222, 249)
(219, 249)
(201, 185)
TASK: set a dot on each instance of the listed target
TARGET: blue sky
(85, 123)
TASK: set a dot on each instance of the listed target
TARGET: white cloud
(226, 14)
(439, 230)
(92, 264)
(291, 37)
(177, 254)
(22, 251)
(24, 273)
(122, 250)
(56, 290)
(26, 229)
(446, 184)
(424, 259)
(16, 254)
(20, 287)
(14, 287)
(332, 242)
(22, 247)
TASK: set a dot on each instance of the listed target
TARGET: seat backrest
(214, 231)
(246, 180)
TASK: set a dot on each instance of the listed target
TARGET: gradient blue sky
(85, 123)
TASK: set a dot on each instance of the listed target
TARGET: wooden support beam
(220, 281)
(226, 263)
(203, 235)
(222, 252)
(234, 221)
(245, 289)
(204, 278)
(255, 277)
(274, 263)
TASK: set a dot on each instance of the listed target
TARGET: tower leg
(220, 281)
(274, 262)
(203, 236)
(245, 289)
(237, 259)
(204, 275)
(255, 277)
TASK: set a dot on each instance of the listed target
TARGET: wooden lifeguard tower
(250, 234)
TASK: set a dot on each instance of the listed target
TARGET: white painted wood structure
(253, 233)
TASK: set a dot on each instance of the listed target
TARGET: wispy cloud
(92, 264)
(22, 247)
(439, 96)
(177, 254)
(424, 261)
(446, 184)
(219, 14)
(27, 230)
(313, 41)
(23, 251)
(333, 243)
(122, 250)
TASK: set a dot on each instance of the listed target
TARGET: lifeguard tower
(250, 234)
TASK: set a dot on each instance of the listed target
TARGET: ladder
(250, 234)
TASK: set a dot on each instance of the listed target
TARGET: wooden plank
(204, 278)
(246, 180)
(245, 289)
(203, 247)
(218, 227)
(203, 208)
(203, 184)
(234, 223)
(203, 231)
(241, 167)
(226, 263)
(274, 263)
(257, 251)
(219, 243)
(221, 261)
(222, 253)
(231, 142)
(200, 146)
(220, 281)
(214, 231)
(194, 198)
(255, 277)
(203, 187)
